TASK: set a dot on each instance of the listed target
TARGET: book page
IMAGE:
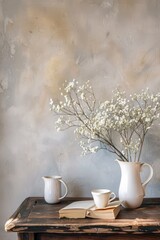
(80, 205)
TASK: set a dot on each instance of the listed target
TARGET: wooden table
(36, 220)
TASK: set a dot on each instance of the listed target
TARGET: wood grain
(35, 219)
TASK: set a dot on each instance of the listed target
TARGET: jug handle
(65, 189)
(150, 174)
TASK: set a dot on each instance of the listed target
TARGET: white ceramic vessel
(131, 189)
(102, 197)
(52, 189)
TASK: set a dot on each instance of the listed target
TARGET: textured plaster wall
(43, 43)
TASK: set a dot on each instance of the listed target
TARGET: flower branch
(118, 125)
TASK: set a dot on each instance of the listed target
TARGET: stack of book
(83, 209)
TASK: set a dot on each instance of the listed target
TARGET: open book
(82, 209)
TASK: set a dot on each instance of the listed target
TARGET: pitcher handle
(65, 189)
(150, 174)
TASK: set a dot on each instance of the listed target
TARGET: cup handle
(112, 198)
(150, 173)
(65, 189)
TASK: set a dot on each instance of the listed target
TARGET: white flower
(70, 86)
(118, 125)
(51, 101)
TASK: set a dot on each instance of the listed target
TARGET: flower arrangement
(118, 125)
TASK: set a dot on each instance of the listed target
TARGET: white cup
(102, 197)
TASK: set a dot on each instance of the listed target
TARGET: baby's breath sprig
(118, 125)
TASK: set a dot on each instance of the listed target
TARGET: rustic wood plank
(34, 216)
(18, 214)
(96, 237)
(26, 236)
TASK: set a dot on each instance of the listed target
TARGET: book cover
(105, 213)
(82, 209)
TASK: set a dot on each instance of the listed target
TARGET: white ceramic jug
(52, 189)
(132, 189)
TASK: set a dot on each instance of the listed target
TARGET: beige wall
(43, 43)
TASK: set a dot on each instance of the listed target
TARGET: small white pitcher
(52, 189)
